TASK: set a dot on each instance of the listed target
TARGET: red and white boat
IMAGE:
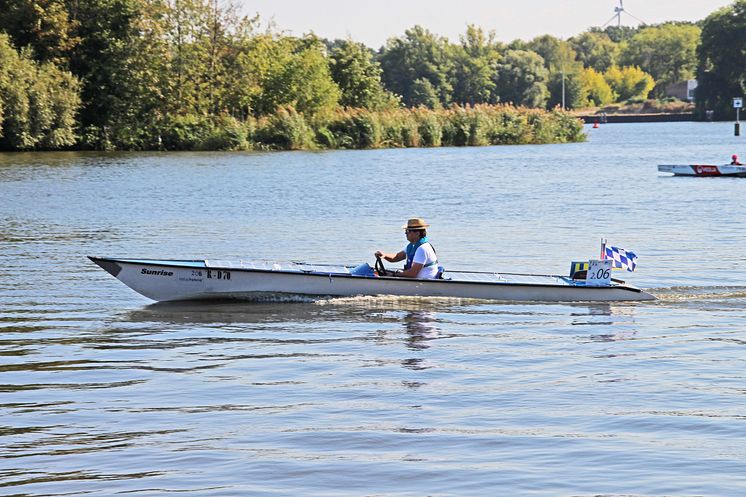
(703, 170)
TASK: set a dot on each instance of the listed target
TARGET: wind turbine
(618, 15)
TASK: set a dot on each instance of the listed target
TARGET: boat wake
(699, 293)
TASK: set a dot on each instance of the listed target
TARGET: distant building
(683, 90)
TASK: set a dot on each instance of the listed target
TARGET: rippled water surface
(103, 392)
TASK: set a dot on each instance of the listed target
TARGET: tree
(38, 102)
(666, 52)
(43, 25)
(123, 60)
(475, 60)
(595, 50)
(617, 34)
(299, 76)
(358, 77)
(521, 78)
(424, 94)
(419, 55)
(629, 82)
(721, 69)
(558, 55)
(575, 94)
(598, 90)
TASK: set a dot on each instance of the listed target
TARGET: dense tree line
(148, 74)
(721, 69)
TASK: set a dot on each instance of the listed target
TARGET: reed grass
(288, 129)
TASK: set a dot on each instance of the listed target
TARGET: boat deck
(300, 267)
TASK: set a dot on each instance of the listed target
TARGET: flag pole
(603, 249)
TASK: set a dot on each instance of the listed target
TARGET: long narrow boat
(703, 170)
(169, 280)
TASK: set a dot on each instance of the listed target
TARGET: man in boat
(419, 253)
(735, 162)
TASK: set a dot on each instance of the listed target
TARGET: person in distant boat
(421, 261)
(734, 161)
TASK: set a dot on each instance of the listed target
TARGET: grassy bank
(666, 106)
(362, 129)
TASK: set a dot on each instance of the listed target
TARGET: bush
(286, 129)
(356, 128)
(228, 133)
(187, 132)
(399, 128)
(429, 128)
(38, 102)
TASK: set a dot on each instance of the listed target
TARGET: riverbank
(288, 129)
(635, 118)
(645, 111)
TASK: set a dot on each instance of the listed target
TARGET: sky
(373, 23)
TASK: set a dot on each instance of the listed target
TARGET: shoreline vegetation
(197, 75)
(288, 129)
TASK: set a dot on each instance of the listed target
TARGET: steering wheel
(379, 267)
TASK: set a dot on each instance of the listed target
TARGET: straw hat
(416, 223)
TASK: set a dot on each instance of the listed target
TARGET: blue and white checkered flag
(623, 259)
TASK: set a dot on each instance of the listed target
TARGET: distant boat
(704, 170)
(169, 280)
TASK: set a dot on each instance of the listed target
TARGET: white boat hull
(703, 170)
(198, 280)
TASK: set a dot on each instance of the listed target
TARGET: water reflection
(421, 327)
(232, 312)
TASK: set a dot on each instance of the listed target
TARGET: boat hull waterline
(175, 280)
(703, 170)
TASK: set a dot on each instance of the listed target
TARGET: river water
(104, 393)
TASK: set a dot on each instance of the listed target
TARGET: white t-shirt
(425, 255)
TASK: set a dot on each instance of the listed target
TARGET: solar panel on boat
(507, 278)
(277, 266)
(465, 276)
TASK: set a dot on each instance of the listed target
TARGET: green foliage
(358, 77)
(429, 128)
(568, 129)
(575, 94)
(557, 54)
(617, 34)
(299, 76)
(595, 86)
(123, 61)
(629, 82)
(474, 62)
(419, 56)
(424, 94)
(666, 52)
(193, 74)
(721, 60)
(192, 132)
(399, 128)
(418, 127)
(521, 79)
(286, 129)
(187, 132)
(45, 26)
(595, 50)
(356, 128)
(38, 102)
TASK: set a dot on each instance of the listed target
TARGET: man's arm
(392, 257)
(411, 272)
